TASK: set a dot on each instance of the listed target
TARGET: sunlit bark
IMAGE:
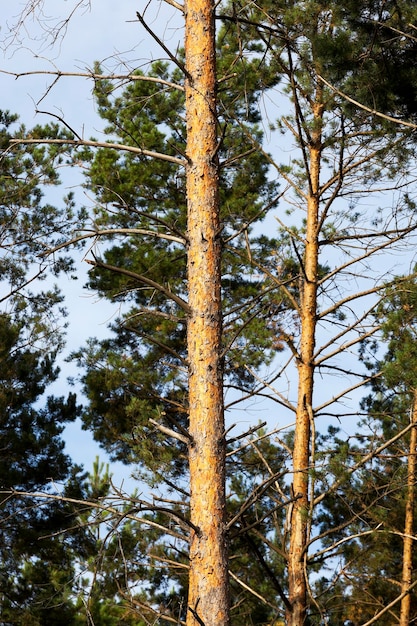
(208, 582)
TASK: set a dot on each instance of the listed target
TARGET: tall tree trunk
(297, 583)
(407, 574)
(208, 602)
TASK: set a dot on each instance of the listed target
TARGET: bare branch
(284, 401)
(253, 592)
(250, 442)
(95, 76)
(255, 495)
(34, 10)
(361, 463)
(143, 279)
(176, 5)
(345, 346)
(247, 433)
(169, 432)
(400, 235)
(389, 606)
(159, 41)
(109, 232)
(99, 144)
(21, 286)
(104, 506)
(145, 607)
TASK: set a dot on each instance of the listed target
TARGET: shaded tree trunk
(407, 573)
(208, 582)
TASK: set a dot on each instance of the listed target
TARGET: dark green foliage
(35, 563)
(365, 50)
(37, 557)
(389, 48)
(45, 543)
(256, 509)
(145, 550)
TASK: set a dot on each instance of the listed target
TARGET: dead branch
(247, 433)
(253, 592)
(259, 438)
(382, 246)
(108, 232)
(282, 400)
(99, 144)
(122, 77)
(103, 506)
(160, 43)
(176, 5)
(257, 492)
(169, 432)
(389, 606)
(153, 611)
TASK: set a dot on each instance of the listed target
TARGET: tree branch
(169, 432)
(253, 592)
(142, 279)
(99, 144)
(389, 118)
(163, 46)
(359, 464)
(109, 232)
(123, 77)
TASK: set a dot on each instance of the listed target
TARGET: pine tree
(337, 146)
(36, 563)
(149, 343)
(323, 51)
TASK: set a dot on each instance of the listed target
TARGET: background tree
(378, 566)
(337, 148)
(27, 219)
(37, 563)
(34, 566)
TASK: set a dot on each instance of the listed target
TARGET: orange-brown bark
(297, 583)
(408, 542)
(208, 581)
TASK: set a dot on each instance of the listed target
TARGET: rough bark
(297, 583)
(408, 543)
(208, 581)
